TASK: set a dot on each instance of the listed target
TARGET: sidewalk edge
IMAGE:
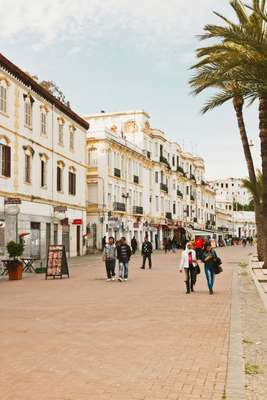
(235, 383)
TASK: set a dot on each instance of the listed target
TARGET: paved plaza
(87, 339)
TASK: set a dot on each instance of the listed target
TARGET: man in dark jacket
(123, 254)
(147, 250)
(134, 245)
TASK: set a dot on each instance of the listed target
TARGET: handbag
(197, 269)
(217, 266)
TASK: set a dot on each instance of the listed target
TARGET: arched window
(29, 153)
(60, 169)
(43, 170)
(72, 181)
(72, 134)
(28, 101)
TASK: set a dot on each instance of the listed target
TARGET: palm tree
(221, 67)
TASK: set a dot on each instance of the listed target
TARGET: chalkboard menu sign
(57, 264)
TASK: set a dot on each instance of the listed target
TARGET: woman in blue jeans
(209, 257)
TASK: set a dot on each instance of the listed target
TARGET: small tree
(15, 250)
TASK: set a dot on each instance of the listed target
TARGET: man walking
(134, 245)
(123, 254)
(109, 256)
(147, 250)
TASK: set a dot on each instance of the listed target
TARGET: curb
(235, 382)
(259, 287)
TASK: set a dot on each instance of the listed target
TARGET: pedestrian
(147, 250)
(165, 244)
(104, 242)
(174, 245)
(109, 256)
(134, 245)
(169, 244)
(244, 242)
(123, 254)
(188, 264)
(209, 258)
(199, 244)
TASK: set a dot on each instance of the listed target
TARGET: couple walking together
(189, 263)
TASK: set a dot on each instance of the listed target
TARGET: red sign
(77, 222)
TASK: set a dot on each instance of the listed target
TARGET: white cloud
(143, 23)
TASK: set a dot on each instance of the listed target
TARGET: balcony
(164, 187)
(179, 193)
(165, 161)
(136, 179)
(138, 210)
(117, 172)
(192, 177)
(180, 169)
(119, 206)
(168, 215)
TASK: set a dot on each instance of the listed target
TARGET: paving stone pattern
(87, 339)
(254, 328)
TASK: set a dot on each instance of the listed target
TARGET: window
(61, 134)
(92, 157)
(3, 98)
(174, 208)
(173, 161)
(60, 167)
(187, 190)
(156, 177)
(43, 123)
(27, 168)
(72, 182)
(5, 160)
(72, 131)
(28, 113)
(156, 150)
(43, 173)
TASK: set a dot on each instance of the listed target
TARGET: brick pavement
(88, 339)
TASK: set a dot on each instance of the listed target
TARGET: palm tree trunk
(263, 140)
(238, 103)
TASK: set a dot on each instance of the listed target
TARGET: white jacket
(185, 260)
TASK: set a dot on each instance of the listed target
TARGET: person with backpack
(147, 250)
(188, 264)
(211, 262)
(109, 256)
(123, 254)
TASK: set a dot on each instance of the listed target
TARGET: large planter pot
(15, 269)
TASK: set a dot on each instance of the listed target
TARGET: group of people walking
(194, 252)
(122, 252)
(189, 263)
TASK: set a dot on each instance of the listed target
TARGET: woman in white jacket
(188, 264)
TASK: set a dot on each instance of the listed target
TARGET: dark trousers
(110, 267)
(147, 256)
(190, 277)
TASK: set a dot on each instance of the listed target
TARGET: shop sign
(77, 221)
(60, 209)
(12, 200)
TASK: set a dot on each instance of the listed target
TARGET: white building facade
(139, 182)
(230, 191)
(42, 161)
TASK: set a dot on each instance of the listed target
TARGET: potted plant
(14, 265)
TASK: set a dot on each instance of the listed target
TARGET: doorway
(78, 240)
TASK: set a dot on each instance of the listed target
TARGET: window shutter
(6, 161)
(58, 179)
(74, 184)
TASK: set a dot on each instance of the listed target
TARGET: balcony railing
(119, 206)
(168, 215)
(165, 161)
(117, 172)
(138, 210)
(192, 176)
(136, 179)
(164, 187)
(180, 169)
(179, 193)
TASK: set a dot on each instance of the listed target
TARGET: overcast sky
(119, 55)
